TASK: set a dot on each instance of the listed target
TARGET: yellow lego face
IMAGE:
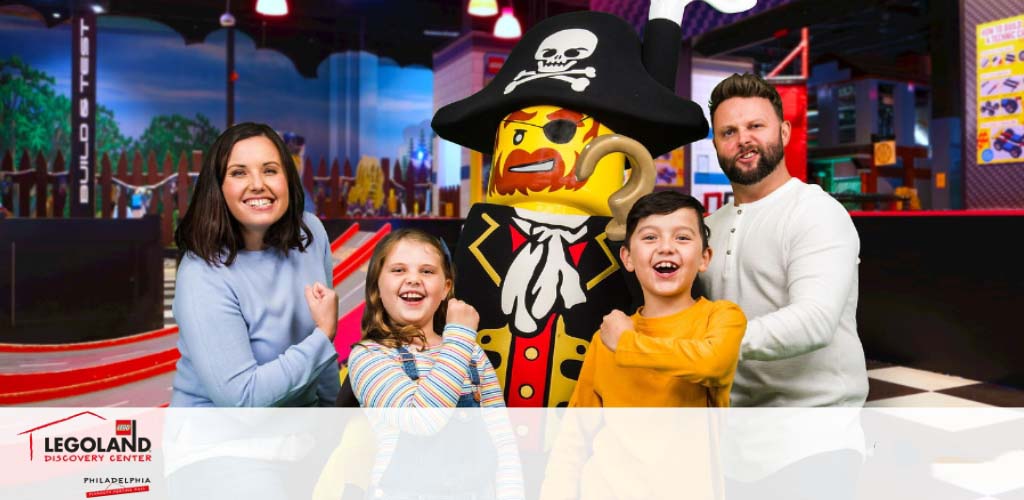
(534, 163)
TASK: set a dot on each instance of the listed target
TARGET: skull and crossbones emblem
(556, 57)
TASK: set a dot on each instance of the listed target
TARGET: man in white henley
(787, 253)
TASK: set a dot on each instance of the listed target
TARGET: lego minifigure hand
(673, 9)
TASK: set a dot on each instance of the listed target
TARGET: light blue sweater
(247, 338)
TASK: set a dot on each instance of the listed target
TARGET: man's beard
(768, 159)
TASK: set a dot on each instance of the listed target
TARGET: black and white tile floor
(937, 435)
(900, 386)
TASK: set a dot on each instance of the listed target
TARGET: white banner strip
(138, 453)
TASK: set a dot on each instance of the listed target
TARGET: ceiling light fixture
(272, 7)
(507, 26)
(482, 8)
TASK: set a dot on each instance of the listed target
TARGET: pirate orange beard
(504, 182)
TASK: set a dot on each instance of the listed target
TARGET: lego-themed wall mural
(157, 93)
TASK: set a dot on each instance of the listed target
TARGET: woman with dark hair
(256, 320)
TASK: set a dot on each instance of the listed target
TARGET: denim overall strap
(474, 375)
(408, 363)
(471, 400)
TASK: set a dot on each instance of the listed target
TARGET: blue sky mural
(144, 69)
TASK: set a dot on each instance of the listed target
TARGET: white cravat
(540, 273)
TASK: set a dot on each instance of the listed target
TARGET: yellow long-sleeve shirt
(683, 359)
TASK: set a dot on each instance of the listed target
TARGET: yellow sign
(885, 153)
(670, 168)
(1000, 91)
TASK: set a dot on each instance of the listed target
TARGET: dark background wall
(944, 293)
(78, 280)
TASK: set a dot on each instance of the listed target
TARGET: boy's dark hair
(663, 203)
(208, 229)
(745, 85)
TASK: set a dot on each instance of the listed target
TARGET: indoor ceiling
(884, 31)
(407, 31)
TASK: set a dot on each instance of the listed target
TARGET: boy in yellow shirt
(676, 350)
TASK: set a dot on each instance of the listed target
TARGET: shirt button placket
(732, 240)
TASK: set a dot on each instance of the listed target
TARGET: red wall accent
(794, 109)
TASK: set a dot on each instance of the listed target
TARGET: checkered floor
(899, 386)
(960, 438)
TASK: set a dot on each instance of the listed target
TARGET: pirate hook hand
(673, 9)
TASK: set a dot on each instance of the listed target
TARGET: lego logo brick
(123, 427)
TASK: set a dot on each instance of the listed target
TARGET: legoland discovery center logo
(122, 445)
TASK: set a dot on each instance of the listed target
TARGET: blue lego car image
(1009, 141)
(1010, 105)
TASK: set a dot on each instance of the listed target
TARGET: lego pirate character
(535, 259)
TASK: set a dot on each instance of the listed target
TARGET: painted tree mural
(35, 118)
(177, 134)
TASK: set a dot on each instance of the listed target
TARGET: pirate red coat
(537, 279)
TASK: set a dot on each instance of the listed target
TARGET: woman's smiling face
(255, 187)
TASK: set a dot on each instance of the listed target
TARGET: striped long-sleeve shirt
(379, 381)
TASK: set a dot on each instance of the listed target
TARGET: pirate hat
(586, 61)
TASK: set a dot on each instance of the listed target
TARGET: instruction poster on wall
(1000, 90)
